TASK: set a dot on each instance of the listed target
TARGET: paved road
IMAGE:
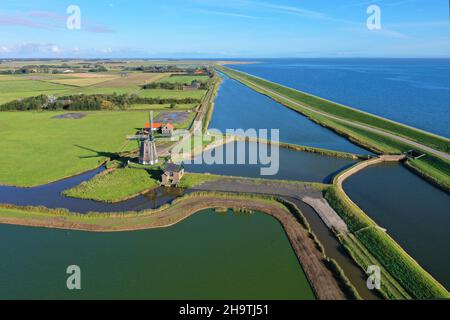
(355, 124)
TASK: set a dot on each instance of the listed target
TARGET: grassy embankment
(433, 168)
(369, 245)
(191, 180)
(215, 82)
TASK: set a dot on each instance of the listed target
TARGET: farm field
(81, 82)
(133, 80)
(103, 90)
(119, 85)
(177, 94)
(16, 89)
(57, 148)
(184, 79)
(4, 77)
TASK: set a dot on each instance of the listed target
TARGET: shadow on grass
(112, 156)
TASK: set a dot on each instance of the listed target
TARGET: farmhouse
(172, 174)
(162, 128)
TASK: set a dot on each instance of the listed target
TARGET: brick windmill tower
(147, 146)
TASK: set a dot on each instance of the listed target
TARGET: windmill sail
(150, 134)
(147, 147)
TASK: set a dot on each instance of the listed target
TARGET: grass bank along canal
(414, 212)
(207, 256)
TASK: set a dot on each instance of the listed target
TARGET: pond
(207, 256)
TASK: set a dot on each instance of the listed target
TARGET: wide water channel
(207, 256)
(239, 107)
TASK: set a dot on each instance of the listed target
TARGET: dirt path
(352, 123)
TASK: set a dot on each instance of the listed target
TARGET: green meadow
(117, 185)
(183, 79)
(162, 107)
(176, 94)
(16, 89)
(37, 149)
(103, 90)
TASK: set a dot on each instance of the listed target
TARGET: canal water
(415, 213)
(238, 106)
(50, 196)
(292, 165)
(207, 256)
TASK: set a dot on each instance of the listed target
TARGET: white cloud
(55, 49)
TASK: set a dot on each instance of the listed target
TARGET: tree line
(87, 102)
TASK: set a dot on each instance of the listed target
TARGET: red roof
(156, 125)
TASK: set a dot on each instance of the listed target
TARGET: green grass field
(117, 185)
(112, 83)
(183, 79)
(95, 90)
(38, 149)
(162, 107)
(12, 90)
(177, 94)
(82, 82)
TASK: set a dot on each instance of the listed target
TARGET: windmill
(147, 147)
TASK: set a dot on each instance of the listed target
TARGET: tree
(106, 105)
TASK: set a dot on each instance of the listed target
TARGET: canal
(415, 213)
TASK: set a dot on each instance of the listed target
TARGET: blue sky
(224, 29)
